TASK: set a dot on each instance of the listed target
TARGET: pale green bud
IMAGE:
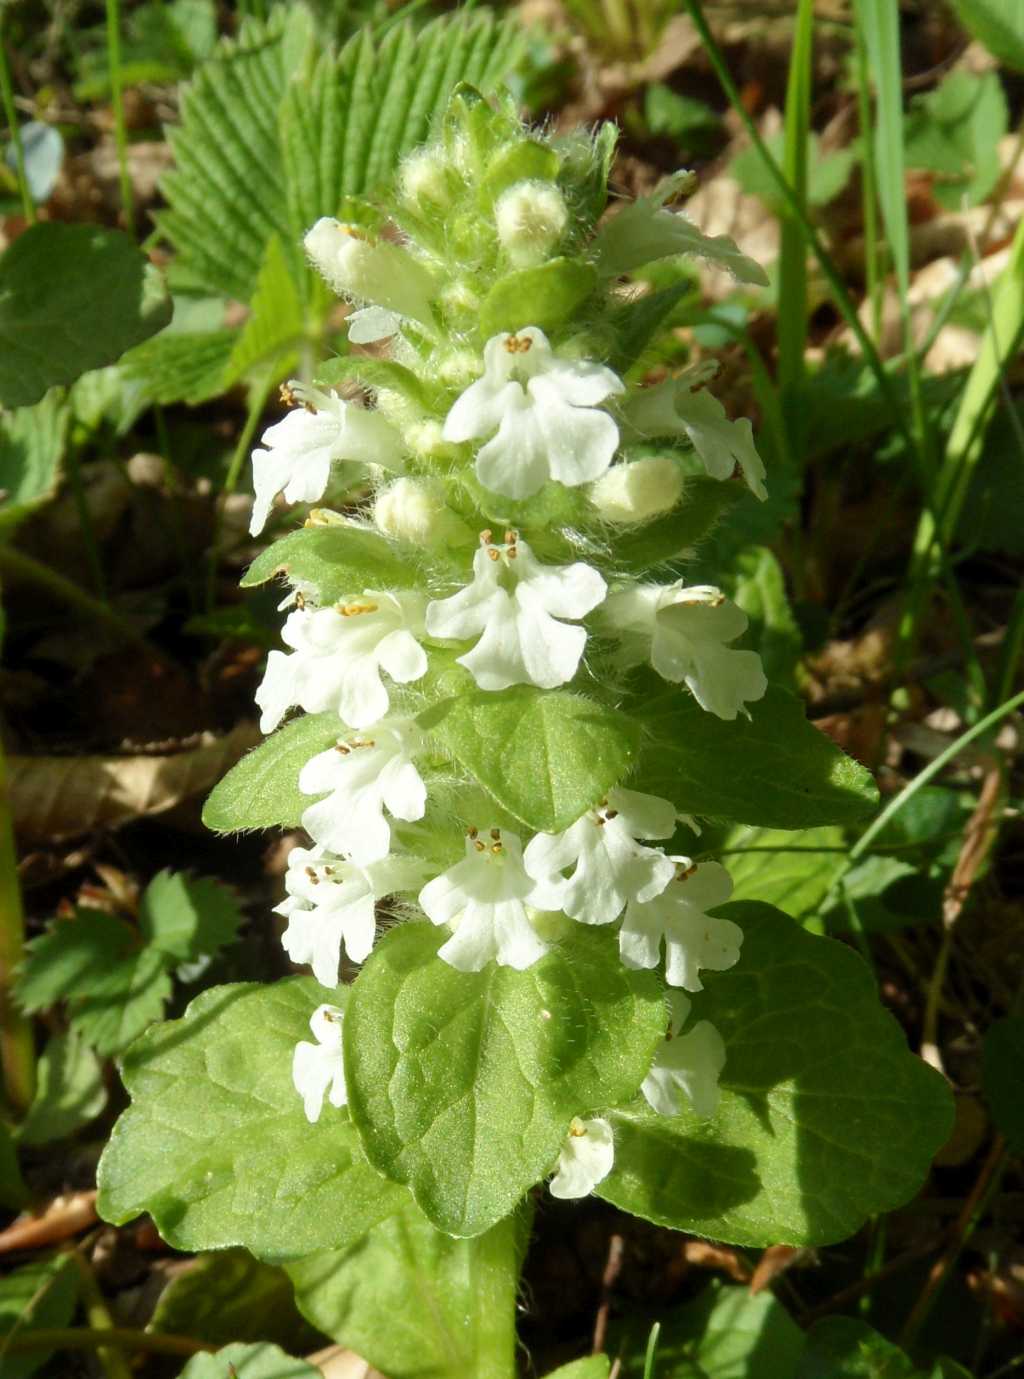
(531, 218)
(459, 369)
(425, 180)
(638, 490)
(385, 274)
(414, 510)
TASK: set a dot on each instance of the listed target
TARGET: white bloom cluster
(530, 415)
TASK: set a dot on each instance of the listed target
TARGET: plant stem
(28, 206)
(792, 298)
(17, 1048)
(258, 395)
(116, 100)
(88, 1338)
(869, 196)
(114, 1365)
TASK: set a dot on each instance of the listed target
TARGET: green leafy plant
(517, 715)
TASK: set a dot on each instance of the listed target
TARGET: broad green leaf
(1003, 1077)
(545, 756)
(704, 502)
(123, 1002)
(72, 298)
(415, 1302)
(380, 375)
(590, 1367)
(643, 232)
(188, 917)
(275, 327)
(31, 446)
(548, 296)
(774, 769)
(463, 1084)
(843, 1348)
(756, 583)
(954, 132)
(69, 1091)
(40, 1294)
(792, 870)
(182, 366)
(262, 790)
(825, 1118)
(998, 25)
(338, 560)
(248, 1362)
(726, 1333)
(72, 955)
(216, 1146)
(229, 1296)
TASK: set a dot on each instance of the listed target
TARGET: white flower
(365, 776)
(317, 1069)
(484, 899)
(683, 632)
(638, 490)
(693, 938)
(301, 448)
(585, 1159)
(381, 273)
(331, 906)
(671, 409)
(610, 866)
(338, 655)
(690, 1063)
(540, 411)
(514, 602)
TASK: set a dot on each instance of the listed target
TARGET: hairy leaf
(545, 757)
(825, 1117)
(463, 1084)
(216, 1146)
(338, 560)
(262, 790)
(188, 917)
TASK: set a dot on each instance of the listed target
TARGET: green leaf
(41, 1294)
(590, 1367)
(338, 560)
(72, 298)
(999, 26)
(774, 769)
(13, 1193)
(123, 1002)
(229, 1296)
(188, 918)
(704, 502)
(181, 366)
(248, 1362)
(72, 955)
(637, 322)
(792, 870)
(216, 1146)
(547, 296)
(643, 232)
(463, 1085)
(954, 132)
(727, 1333)
(1003, 1077)
(545, 756)
(380, 375)
(843, 1348)
(756, 583)
(271, 335)
(827, 173)
(69, 1091)
(31, 446)
(262, 790)
(825, 1116)
(415, 1302)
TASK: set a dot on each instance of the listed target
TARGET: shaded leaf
(69, 1091)
(31, 446)
(1003, 1077)
(248, 1362)
(40, 1294)
(229, 1296)
(188, 917)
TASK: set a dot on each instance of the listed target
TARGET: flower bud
(425, 180)
(382, 273)
(638, 490)
(414, 510)
(531, 218)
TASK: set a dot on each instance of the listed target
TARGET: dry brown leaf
(703, 1255)
(58, 797)
(775, 1260)
(64, 1217)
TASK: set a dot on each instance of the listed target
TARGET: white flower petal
(317, 1069)
(693, 938)
(691, 1063)
(276, 693)
(585, 1159)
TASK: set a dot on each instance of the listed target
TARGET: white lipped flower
(338, 654)
(541, 414)
(689, 1063)
(610, 867)
(684, 633)
(693, 938)
(585, 1159)
(671, 409)
(295, 454)
(365, 776)
(513, 604)
(317, 1069)
(381, 273)
(331, 906)
(484, 898)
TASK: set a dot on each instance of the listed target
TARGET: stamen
(288, 395)
(472, 832)
(684, 873)
(496, 834)
(355, 608)
(497, 848)
(480, 847)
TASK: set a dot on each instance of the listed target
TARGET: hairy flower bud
(531, 218)
(382, 273)
(425, 180)
(636, 491)
(414, 510)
